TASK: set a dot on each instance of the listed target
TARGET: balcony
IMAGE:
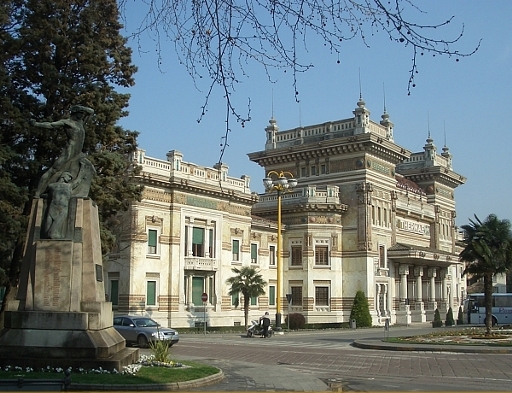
(199, 263)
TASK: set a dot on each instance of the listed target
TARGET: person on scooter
(265, 323)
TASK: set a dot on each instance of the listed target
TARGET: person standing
(265, 323)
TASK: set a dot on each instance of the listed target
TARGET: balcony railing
(199, 263)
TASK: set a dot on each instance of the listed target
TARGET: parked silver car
(143, 330)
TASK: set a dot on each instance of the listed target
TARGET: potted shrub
(437, 322)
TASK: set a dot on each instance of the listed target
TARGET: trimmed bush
(437, 322)
(449, 318)
(361, 311)
(297, 321)
(460, 317)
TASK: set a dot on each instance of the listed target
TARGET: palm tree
(487, 251)
(249, 282)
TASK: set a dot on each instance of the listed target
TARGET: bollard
(352, 324)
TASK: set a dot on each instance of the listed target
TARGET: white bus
(474, 309)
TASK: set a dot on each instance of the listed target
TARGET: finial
(272, 103)
(428, 127)
(360, 88)
(444, 130)
(384, 91)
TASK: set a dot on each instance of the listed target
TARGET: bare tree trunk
(488, 302)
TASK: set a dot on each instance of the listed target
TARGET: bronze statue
(72, 152)
(69, 176)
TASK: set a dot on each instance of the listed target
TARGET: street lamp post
(279, 182)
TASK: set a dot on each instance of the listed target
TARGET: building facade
(367, 214)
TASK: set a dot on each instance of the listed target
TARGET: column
(377, 300)
(444, 287)
(387, 300)
(189, 290)
(207, 287)
(189, 236)
(418, 272)
(206, 240)
(432, 275)
(404, 272)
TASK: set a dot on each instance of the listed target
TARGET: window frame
(323, 296)
(237, 249)
(148, 281)
(254, 253)
(156, 245)
(272, 255)
(296, 260)
(296, 292)
(322, 255)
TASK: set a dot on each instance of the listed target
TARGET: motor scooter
(256, 330)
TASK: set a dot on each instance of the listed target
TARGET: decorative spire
(385, 119)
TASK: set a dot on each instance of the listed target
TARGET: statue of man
(75, 131)
(59, 195)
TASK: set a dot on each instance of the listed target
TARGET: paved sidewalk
(244, 376)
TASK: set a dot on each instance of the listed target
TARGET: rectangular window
(323, 169)
(303, 172)
(114, 292)
(236, 250)
(297, 296)
(271, 295)
(198, 242)
(322, 255)
(152, 241)
(382, 256)
(313, 170)
(254, 300)
(272, 256)
(254, 253)
(151, 293)
(235, 300)
(322, 296)
(296, 255)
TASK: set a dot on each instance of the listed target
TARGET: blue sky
(468, 102)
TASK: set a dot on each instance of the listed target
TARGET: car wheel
(142, 341)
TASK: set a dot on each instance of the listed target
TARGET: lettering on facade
(200, 202)
(414, 227)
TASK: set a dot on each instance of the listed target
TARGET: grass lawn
(146, 375)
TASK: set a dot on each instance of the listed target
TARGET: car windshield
(145, 322)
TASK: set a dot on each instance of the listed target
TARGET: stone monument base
(60, 317)
(39, 339)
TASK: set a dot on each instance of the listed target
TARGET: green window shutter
(197, 235)
(152, 238)
(272, 295)
(151, 293)
(114, 292)
(254, 300)
(254, 252)
(197, 290)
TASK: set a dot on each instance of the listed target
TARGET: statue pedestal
(60, 317)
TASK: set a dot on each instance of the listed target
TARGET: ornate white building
(367, 214)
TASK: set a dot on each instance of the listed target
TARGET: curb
(379, 345)
(196, 383)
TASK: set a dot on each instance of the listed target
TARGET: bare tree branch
(217, 39)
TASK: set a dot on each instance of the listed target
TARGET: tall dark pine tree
(62, 53)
